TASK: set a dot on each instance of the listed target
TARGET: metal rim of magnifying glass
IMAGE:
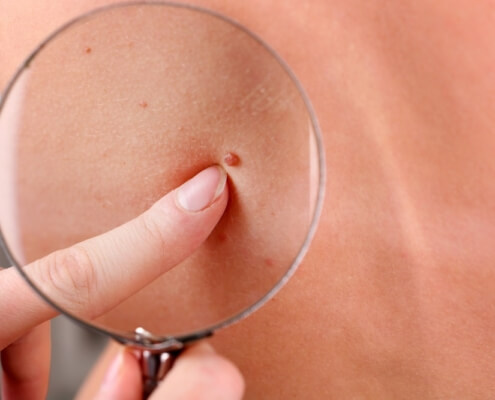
(167, 343)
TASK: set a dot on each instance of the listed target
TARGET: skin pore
(395, 297)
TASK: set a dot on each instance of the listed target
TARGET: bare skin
(394, 299)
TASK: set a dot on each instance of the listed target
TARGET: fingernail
(202, 190)
(206, 348)
(114, 370)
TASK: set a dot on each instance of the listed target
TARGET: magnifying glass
(121, 105)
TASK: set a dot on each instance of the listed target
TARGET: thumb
(122, 380)
(94, 276)
(201, 374)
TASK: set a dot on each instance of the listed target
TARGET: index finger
(96, 275)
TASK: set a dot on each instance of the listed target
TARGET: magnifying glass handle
(154, 367)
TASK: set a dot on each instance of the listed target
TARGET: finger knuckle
(71, 275)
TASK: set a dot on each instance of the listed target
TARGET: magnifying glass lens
(123, 105)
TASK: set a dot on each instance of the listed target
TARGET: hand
(198, 374)
(94, 276)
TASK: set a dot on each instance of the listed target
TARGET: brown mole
(87, 50)
(231, 159)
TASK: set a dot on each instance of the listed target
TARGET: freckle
(88, 50)
(143, 104)
(231, 159)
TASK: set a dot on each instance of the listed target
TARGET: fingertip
(122, 379)
(202, 190)
(229, 377)
(201, 373)
(201, 348)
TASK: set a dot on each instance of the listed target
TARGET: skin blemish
(231, 159)
(269, 262)
(222, 237)
(143, 104)
(88, 50)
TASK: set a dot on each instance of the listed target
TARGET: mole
(231, 159)
(87, 50)
(143, 104)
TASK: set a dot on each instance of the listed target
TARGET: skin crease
(395, 298)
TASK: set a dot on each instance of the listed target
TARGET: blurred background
(74, 352)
